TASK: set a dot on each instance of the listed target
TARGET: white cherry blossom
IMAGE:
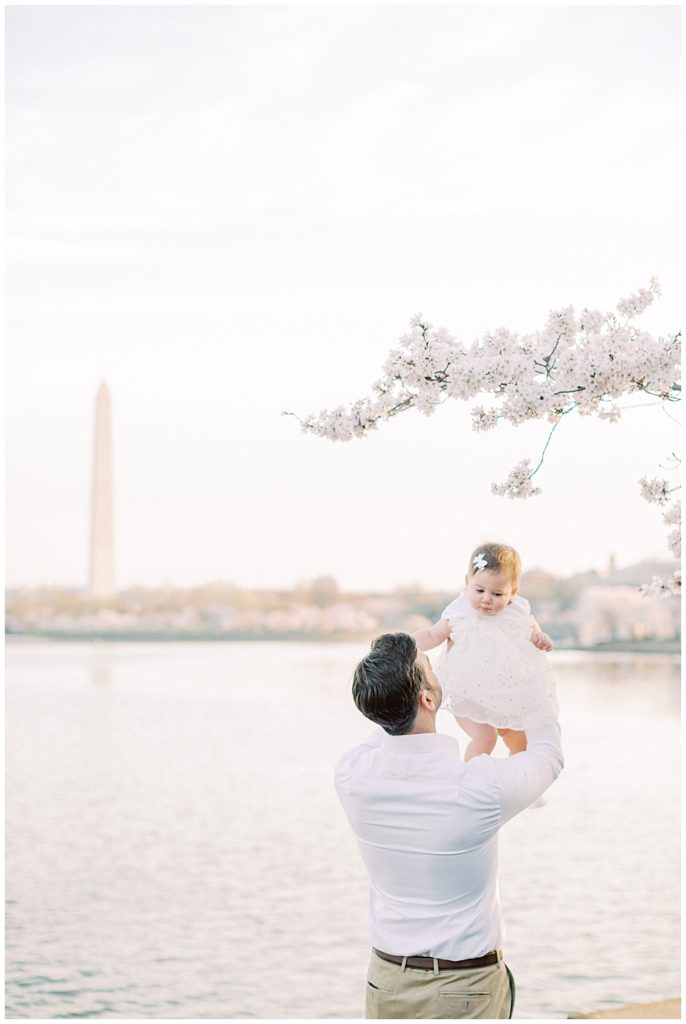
(655, 490)
(518, 483)
(662, 588)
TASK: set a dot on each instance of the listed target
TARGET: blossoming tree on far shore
(583, 364)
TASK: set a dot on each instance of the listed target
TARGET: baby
(494, 674)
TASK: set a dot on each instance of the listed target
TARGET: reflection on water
(623, 679)
(171, 822)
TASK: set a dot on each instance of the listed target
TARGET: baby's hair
(496, 556)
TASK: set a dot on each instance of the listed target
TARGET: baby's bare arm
(432, 636)
(540, 639)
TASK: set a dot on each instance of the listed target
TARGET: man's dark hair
(387, 683)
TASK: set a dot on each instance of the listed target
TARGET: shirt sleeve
(521, 778)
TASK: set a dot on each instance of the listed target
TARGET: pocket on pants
(385, 986)
(482, 994)
(380, 976)
(462, 1005)
(377, 988)
(374, 1008)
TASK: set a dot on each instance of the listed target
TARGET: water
(175, 848)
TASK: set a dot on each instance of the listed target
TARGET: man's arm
(432, 636)
(522, 778)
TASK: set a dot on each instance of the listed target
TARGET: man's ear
(427, 700)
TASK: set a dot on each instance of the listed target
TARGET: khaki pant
(482, 992)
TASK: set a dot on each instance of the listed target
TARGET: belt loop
(403, 965)
(499, 954)
(435, 964)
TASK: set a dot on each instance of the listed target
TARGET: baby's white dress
(492, 672)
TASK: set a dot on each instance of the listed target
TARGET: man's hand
(541, 640)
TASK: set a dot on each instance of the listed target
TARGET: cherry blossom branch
(657, 491)
(592, 357)
(545, 448)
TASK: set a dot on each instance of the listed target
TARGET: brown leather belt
(426, 963)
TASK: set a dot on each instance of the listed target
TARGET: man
(427, 827)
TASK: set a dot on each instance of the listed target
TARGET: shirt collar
(417, 743)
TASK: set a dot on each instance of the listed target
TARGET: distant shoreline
(671, 647)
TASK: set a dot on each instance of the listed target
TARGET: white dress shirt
(427, 827)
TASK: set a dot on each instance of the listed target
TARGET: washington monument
(102, 514)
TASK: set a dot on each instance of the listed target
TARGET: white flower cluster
(662, 588)
(483, 419)
(518, 483)
(583, 363)
(672, 517)
(657, 492)
(640, 300)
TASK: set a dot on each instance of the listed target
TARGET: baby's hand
(541, 640)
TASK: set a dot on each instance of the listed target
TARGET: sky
(231, 211)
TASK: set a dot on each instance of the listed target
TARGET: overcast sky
(231, 211)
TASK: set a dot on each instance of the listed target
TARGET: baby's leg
(484, 737)
(515, 740)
